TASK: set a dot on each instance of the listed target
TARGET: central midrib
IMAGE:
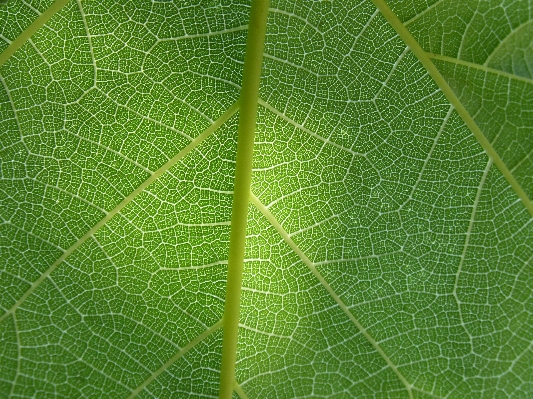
(253, 60)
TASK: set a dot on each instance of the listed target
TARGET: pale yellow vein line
(193, 144)
(19, 355)
(264, 210)
(146, 117)
(176, 357)
(30, 30)
(516, 362)
(428, 9)
(503, 42)
(206, 34)
(426, 393)
(465, 248)
(238, 389)
(432, 70)
(306, 130)
(13, 108)
(479, 67)
(31, 234)
(89, 40)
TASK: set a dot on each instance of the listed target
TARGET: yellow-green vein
(465, 248)
(426, 10)
(264, 210)
(238, 389)
(30, 30)
(479, 67)
(193, 144)
(427, 394)
(432, 70)
(175, 358)
(253, 61)
(19, 355)
(503, 42)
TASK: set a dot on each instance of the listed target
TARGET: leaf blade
(360, 157)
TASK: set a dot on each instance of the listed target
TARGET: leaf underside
(389, 249)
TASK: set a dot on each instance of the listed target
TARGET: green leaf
(388, 248)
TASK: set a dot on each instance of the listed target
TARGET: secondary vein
(285, 235)
(240, 391)
(30, 30)
(193, 144)
(432, 70)
(479, 67)
(175, 358)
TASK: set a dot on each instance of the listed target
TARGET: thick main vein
(193, 144)
(286, 237)
(253, 61)
(30, 30)
(432, 70)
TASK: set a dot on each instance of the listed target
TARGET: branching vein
(330, 290)
(193, 144)
(432, 70)
(175, 358)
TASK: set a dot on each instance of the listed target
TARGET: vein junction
(264, 210)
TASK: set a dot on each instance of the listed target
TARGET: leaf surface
(388, 250)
